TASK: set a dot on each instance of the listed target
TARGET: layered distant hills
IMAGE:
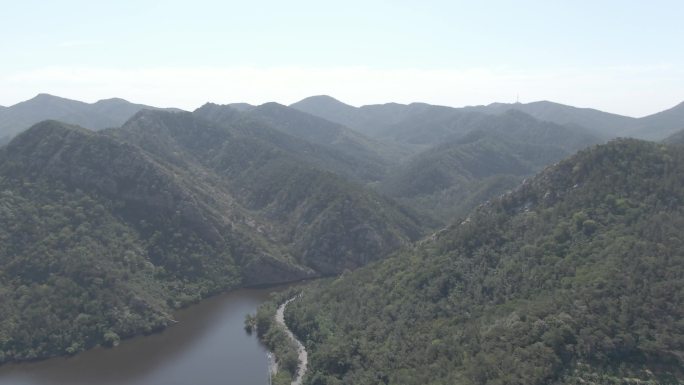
(378, 120)
(114, 214)
(487, 156)
(459, 156)
(423, 155)
(329, 145)
(117, 228)
(102, 114)
(373, 121)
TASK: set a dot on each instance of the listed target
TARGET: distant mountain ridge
(328, 145)
(367, 119)
(457, 158)
(373, 120)
(656, 126)
(608, 125)
(387, 143)
(491, 154)
(99, 115)
(370, 120)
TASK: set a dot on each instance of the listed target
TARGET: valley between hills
(516, 243)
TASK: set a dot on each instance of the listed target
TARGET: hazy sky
(621, 56)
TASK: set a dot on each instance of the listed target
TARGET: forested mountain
(331, 109)
(104, 233)
(333, 150)
(462, 157)
(652, 127)
(99, 242)
(102, 114)
(605, 124)
(382, 120)
(575, 277)
(368, 120)
(330, 223)
(438, 125)
(480, 157)
(324, 132)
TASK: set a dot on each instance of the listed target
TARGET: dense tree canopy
(103, 235)
(577, 276)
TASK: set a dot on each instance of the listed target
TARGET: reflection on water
(208, 346)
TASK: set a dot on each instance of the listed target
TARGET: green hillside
(320, 131)
(104, 234)
(335, 148)
(100, 242)
(330, 223)
(483, 158)
(573, 278)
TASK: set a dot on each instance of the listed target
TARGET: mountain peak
(44, 97)
(319, 102)
(112, 101)
(272, 105)
(211, 105)
(320, 99)
(46, 134)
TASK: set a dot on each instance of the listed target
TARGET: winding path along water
(303, 355)
(208, 346)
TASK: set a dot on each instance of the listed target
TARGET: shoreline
(172, 317)
(157, 354)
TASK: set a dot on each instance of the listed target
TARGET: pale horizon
(453, 53)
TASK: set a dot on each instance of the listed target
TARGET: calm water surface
(208, 346)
